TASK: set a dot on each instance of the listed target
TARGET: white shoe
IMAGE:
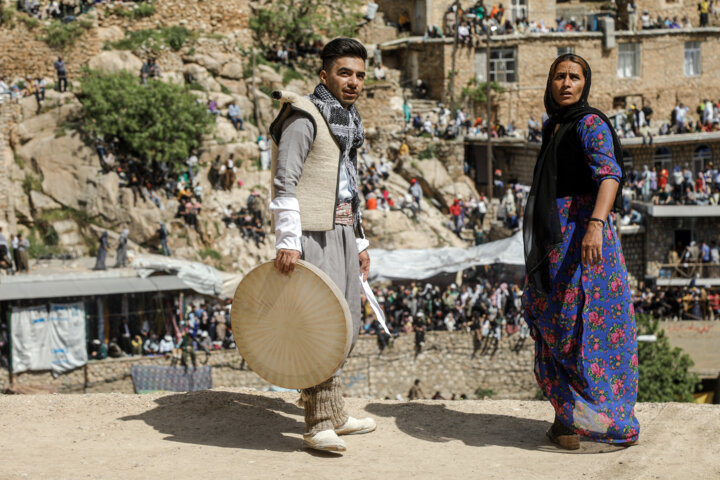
(355, 426)
(326, 440)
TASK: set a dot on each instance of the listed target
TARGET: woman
(103, 248)
(576, 299)
(121, 256)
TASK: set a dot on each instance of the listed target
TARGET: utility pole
(456, 5)
(488, 111)
(254, 91)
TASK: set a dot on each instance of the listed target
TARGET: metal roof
(82, 287)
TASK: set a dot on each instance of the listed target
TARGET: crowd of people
(289, 53)
(677, 187)
(248, 220)
(14, 254)
(674, 303)
(472, 23)
(488, 310)
(205, 327)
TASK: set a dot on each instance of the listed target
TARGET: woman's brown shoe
(562, 436)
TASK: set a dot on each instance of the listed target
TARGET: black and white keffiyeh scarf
(347, 128)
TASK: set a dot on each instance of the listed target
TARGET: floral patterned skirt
(584, 332)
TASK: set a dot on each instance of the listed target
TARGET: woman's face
(568, 82)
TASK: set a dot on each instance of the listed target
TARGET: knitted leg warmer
(324, 406)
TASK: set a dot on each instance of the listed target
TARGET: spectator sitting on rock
(421, 88)
(258, 232)
(417, 193)
(235, 116)
(213, 108)
(404, 24)
(149, 69)
(379, 72)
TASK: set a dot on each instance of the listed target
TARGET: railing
(689, 270)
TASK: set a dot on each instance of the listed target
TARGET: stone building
(424, 13)
(657, 67)
(645, 247)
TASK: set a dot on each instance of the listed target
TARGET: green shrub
(225, 89)
(295, 21)
(428, 153)
(477, 91)
(158, 121)
(664, 371)
(6, 17)
(62, 35)
(209, 252)
(30, 22)
(173, 37)
(38, 247)
(481, 392)
(32, 182)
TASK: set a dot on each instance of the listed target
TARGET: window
(628, 60)
(701, 158)
(503, 68)
(518, 9)
(691, 66)
(564, 50)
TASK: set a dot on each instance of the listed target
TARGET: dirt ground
(239, 434)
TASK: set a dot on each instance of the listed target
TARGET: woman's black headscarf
(541, 225)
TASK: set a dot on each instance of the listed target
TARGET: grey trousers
(335, 253)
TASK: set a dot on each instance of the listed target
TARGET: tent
(420, 264)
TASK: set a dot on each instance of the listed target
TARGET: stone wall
(446, 364)
(633, 248)
(30, 56)
(660, 83)
(661, 230)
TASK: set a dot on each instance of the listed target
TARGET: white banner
(67, 336)
(48, 341)
(30, 339)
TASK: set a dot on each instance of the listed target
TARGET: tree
(154, 122)
(664, 371)
(302, 21)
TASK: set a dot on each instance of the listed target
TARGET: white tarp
(30, 339)
(67, 336)
(43, 340)
(200, 277)
(407, 264)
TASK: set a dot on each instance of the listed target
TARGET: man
(22, 262)
(307, 179)
(235, 116)
(61, 74)
(417, 193)
(149, 69)
(379, 72)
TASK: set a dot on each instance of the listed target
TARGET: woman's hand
(591, 254)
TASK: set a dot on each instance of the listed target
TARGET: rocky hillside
(55, 186)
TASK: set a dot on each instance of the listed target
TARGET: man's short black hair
(339, 48)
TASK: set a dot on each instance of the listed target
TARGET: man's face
(345, 79)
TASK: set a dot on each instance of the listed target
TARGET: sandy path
(233, 434)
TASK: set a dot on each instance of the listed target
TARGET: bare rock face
(268, 76)
(48, 122)
(41, 202)
(70, 237)
(115, 61)
(172, 77)
(110, 34)
(233, 70)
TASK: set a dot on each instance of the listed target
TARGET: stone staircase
(422, 106)
(7, 210)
